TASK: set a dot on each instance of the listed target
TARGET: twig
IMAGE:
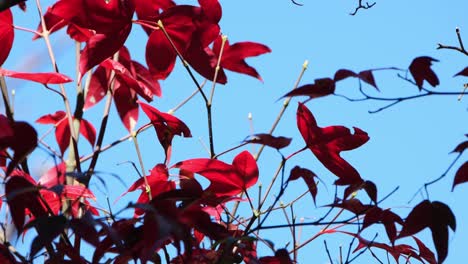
(361, 6)
(328, 251)
(460, 48)
(427, 184)
(205, 98)
(285, 106)
(396, 100)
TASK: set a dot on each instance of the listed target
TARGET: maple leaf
(366, 76)
(461, 175)
(421, 70)
(39, 77)
(158, 182)
(7, 34)
(233, 57)
(149, 9)
(327, 143)
(191, 29)
(321, 87)
(21, 137)
(308, 176)
(109, 22)
(62, 129)
(435, 216)
(22, 194)
(386, 217)
(131, 79)
(226, 179)
(269, 140)
(166, 126)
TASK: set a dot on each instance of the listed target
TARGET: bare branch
(362, 6)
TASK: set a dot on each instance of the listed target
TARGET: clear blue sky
(409, 143)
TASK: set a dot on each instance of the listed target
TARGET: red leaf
(437, 217)
(146, 79)
(386, 217)
(126, 104)
(368, 186)
(102, 46)
(44, 78)
(158, 182)
(233, 57)
(425, 252)
(463, 72)
(343, 74)
(269, 140)
(166, 125)
(7, 34)
(321, 87)
(421, 70)
(110, 20)
(62, 135)
(53, 119)
(226, 179)
(54, 176)
(308, 176)
(97, 87)
(368, 77)
(22, 194)
(127, 78)
(246, 168)
(461, 176)
(62, 129)
(461, 147)
(149, 9)
(88, 131)
(160, 55)
(327, 143)
(20, 137)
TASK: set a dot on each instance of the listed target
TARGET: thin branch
(296, 3)
(361, 6)
(460, 48)
(427, 184)
(328, 252)
(396, 100)
(205, 98)
(285, 106)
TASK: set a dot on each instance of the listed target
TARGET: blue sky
(409, 143)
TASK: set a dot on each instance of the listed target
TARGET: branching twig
(427, 184)
(361, 6)
(460, 48)
(396, 100)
